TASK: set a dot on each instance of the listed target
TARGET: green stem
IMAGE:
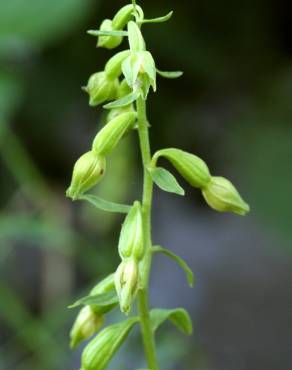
(143, 306)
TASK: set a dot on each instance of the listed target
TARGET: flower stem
(143, 307)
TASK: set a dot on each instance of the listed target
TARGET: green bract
(101, 88)
(88, 171)
(136, 40)
(104, 285)
(191, 167)
(221, 195)
(123, 86)
(108, 42)
(109, 136)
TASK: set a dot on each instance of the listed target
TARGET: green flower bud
(115, 112)
(86, 324)
(191, 167)
(108, 42)
(126, 281)
(87, 172)
(122, 17)
(136, 40)
(101, 88)
(222, 196)
(98, 353)
(109, 136)
(113, 67)
(131, 241)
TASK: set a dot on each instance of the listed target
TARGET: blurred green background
(232, 107)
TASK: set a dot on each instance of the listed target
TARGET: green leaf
(178, 316)
(107, 33)
(166, 181)
(98, 353)
(159, 19)
(105, 205)
(124, 101)
(178, 260)
(169, 74)
(103, 299)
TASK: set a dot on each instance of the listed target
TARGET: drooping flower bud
(131, 242)
(113, 67)
(87, 172)
(86, 324)
(109, 136)
(126, 282)
(108, 42)
(101, 88)
(191, 167)
(122, 17)
(222, 196)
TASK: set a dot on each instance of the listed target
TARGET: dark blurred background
(232, 107)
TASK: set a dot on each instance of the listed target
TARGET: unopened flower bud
(222, 196)
(109, 136)
(191, 167)
(113, 67)
(98, 353)
(101, 88)
(108, 42)
(88, 171)
(122, 17)
(131, 242)
(126, 281)
(115, 112)
(86, 324)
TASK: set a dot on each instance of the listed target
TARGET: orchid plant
(122, 88)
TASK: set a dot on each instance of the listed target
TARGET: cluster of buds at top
(219, 193)
(137, 66)
(131, 250)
